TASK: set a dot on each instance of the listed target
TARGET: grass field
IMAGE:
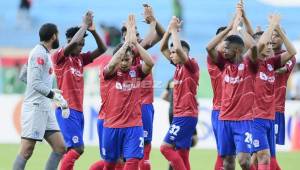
(200, 159)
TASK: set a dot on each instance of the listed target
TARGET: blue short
(71, 127)
(263, 135)
(147, 117)
(126, 142)
(214, 122)
(100, 133)
(181, 132)
(234, 137)
(280, 128)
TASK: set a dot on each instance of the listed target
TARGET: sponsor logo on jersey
(76, 72)
(233, 80)
(127, 86)
(265, 77)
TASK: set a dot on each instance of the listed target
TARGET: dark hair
(47, 31)
(257, 34)
(183, 44)
(118, 48)
(235, 39)
(220, 29)
(123, 29)
(72, 31)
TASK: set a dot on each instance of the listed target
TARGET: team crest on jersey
(270, 67)
(40, 61)
(241, 67)
(289, 63)
(132, 73)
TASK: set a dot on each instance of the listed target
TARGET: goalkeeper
(37, 121)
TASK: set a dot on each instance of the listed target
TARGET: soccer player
(155, 34)
(263, 132)
(123, 131)
(177, 141)
(281, 77)
(216, 81)
(37, 121)
(167, 95)
(68, 63)
(238, 74)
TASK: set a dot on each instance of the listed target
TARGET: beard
(55, 44)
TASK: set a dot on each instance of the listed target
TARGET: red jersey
(146, 85)
(186, 80)
(281, 83)
(237, 89)
(69, 74)
(264, 103)
(216, 82)
(103, 88)
(122, 106)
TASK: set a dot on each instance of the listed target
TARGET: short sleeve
(276, 61)
(191, 65)
(58, 56)
(220, 61)
(104, 72)
(253, 66)
(86, 58)
(290, 64)
(140, 71)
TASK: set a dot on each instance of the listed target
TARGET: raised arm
(174, 27)
(274, 20)
(115, 60)
(132, 39)
(86, 23)
(249, 29)
(211, 46)
(290, 49)
(101, 48)
(148, 62)
(156, 31)
(164, 46)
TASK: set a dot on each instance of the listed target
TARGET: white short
(36, 120)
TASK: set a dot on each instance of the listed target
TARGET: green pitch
(200, 159)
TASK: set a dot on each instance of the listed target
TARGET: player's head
(49, 33)
(174, 56)
(233, 46)
(127, 59)
(220, 46)
(267, 50)
(256, 36)
(124, 31)
(70, 34)
(276, 41)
